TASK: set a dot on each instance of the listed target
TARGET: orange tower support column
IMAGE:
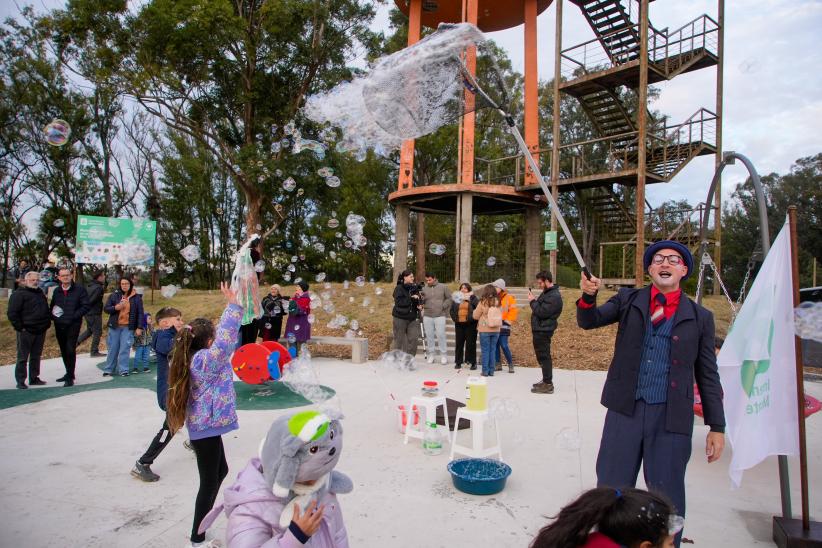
(406, 179)
(470, 8)
(531, 87)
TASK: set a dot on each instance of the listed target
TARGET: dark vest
(652, 385)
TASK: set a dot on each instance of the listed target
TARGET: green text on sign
(109, 240)
(551, 240)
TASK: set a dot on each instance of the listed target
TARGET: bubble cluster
(190, 253)
(316, 147)
(504, 409)
(289, 184)
(808, 321)
(568, 440)
(57, 132)
(437, 249)
(300, 376)
(354, 225)
(168, 291)
(397, 360)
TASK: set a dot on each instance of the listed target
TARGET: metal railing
(667, 50)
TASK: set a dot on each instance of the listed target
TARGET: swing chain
(706, 259)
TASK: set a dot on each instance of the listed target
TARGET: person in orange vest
(509, 315)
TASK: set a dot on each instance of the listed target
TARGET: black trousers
(271, 333)
(213, 469)
(466, 343)
(29, 349)
(248, 333)
(94, 329)
(67, 340)
(542, 348)
(157, 445)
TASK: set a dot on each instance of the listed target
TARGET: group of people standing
(276, 306)
(489, 316)
(31, 314)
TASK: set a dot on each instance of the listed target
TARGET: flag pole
(800, 390)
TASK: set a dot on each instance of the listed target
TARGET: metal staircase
(615, 26)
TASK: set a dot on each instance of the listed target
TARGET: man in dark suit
(665, 341)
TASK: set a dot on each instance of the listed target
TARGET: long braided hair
(628, 517)
(191, 338)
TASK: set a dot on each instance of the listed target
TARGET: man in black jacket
(69, 303)
(28, 313)
(665, 341)
(545, 311)
(94, 318)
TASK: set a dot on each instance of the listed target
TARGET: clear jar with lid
(430, 389)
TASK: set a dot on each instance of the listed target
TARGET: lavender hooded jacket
(212, 403)
(254, 516)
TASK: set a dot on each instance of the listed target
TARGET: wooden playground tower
(630, 149)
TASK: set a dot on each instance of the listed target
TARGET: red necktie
(658, 314)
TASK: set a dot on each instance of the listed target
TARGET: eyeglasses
(673, 260)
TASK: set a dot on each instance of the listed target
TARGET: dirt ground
(572, 347)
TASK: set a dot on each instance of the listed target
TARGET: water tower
(472, 194)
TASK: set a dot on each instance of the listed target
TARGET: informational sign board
(551, 240)
(115, 241)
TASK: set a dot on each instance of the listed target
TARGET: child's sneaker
(143, 472)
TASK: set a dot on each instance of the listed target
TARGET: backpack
(494, 317)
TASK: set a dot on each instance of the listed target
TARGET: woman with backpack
(489, 314)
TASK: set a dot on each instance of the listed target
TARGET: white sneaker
(429, 359)
(211, 543)
(444, 360)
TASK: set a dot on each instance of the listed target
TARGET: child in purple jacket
(201, 395)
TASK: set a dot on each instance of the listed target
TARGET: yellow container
(476, 394)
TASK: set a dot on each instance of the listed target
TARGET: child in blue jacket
(169, 321)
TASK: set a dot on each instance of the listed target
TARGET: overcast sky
(773, 81)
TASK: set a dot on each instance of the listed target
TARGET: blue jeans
(503, 344)
(488, 343)
(119, 341)
(141, 356)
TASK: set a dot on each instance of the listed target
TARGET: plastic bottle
(432, 439)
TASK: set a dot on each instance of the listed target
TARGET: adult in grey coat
(435, 309)
(94, 318)
(545, 311)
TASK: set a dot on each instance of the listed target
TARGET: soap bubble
(298, 280)
(332, 181)
(378, 291)
(57, 132)
(316, 147)
(360, 281)
(491, 261)
(347, 243)
(185, 281)
(296, 327)
(291, 338)
(349, 334)
(259, 266)
(328, 307)
(59, 223)
(168, 291)
(320, 247)
(57, 312)
(289, 184)
(294, 258)
(338, 234)
(397, 360)
(319, 277)
(354, 325)
(366, 301)
(169, 269)
(436, 249)
(456, 296)
(190, 253)
(289, 128)
(333, 223)
(325, 172)
(300, 192)
(302, 257)
(503, 409)
(300, 376)
(311, 318)
(291, 268)
(568, 440)
(808, 321)
(218, 211)
(332, 254)
(499, 227)
(287, 276)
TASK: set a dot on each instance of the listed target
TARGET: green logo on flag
(749, 371)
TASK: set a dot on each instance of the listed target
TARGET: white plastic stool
(430, 406)
(478, 450)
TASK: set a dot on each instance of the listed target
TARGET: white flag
(757, 366)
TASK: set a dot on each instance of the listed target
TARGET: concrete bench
(359, 346)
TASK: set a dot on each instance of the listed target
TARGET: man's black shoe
(37, 382)
(545, 388)
(21, 385)
(64, 378)
(68, 383)
(97, 354)
(473, 368)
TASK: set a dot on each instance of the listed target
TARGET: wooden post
(531, 86)
(800, 389)
(465, 222)
(642, 115)
(720, 49)
(406, 178)
(402, 216)
(555, 129)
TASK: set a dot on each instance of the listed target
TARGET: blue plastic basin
(479, 476)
